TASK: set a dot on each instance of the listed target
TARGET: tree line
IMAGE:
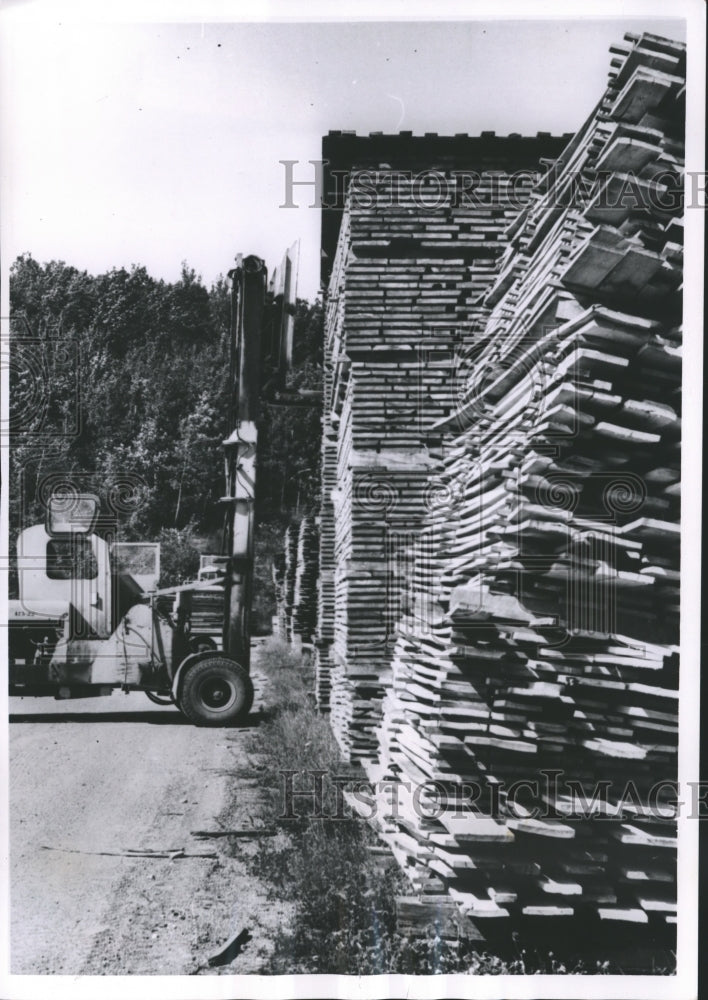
(119, 382)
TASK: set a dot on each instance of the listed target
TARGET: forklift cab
(65, 564)
(62, 563)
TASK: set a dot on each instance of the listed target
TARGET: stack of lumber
(405, 298)
(207, 611)
(304, 611)
(280, 620)
(324, 634)
(538, 642)
(290, 545)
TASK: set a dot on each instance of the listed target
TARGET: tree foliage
(120, 383)
(179, 555)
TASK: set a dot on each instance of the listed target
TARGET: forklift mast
(248, 288)
(262, 326)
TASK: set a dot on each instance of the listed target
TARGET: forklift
(89, 620)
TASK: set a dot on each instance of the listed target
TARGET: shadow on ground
(156, 718)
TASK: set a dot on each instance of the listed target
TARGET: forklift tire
(216, 691)
(157, 700)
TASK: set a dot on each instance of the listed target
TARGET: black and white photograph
(351, 601)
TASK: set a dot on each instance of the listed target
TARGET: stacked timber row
(288, 578)
(295, 582)
(280, 620)
(304, 612)
(324, 635)
(538, 642)
(419, 237)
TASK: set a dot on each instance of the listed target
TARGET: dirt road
(92, 781)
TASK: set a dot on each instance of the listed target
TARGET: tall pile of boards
(527, 751)
(420, 237)
(304, 609)
(295, 573)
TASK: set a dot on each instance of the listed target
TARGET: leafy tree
(179, 555)
(120, 378)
